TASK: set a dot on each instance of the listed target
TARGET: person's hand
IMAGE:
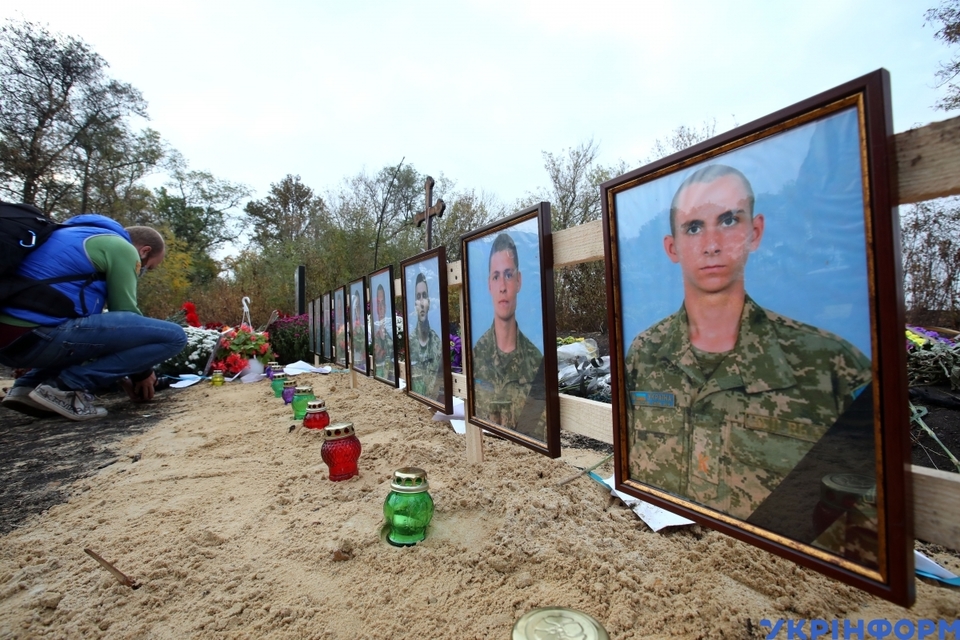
(145, 389)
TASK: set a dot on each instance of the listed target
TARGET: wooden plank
(474, 443)
(586, 417)
(454, 274)
(460, 385)
(578, 244)
(936, 506)
(927, 160)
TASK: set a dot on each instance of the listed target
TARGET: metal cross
(430, 211)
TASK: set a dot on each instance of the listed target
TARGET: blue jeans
(96, 351)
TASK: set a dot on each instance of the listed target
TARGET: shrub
(290, 339)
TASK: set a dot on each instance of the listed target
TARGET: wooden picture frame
(510, 335)
(326, 355)
(386, 366)
(427, 365)
(357, 325)
(316, 341)
(760, 408)
(339, 333)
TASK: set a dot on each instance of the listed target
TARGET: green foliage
(61, 118)
(290, 339)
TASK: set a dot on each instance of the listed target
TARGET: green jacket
(727, 439)
(502, 384)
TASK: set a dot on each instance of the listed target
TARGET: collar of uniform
(759, 360)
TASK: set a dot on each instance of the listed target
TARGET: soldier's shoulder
(809, 339)
(527, 345)
(650, 339)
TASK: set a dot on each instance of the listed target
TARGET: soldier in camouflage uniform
(724, 398)
(426, 348)
(383, 338)
(506, 364)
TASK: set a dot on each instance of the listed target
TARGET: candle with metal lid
(341, 450)
(301, 396)
(317, 416)
(408, 508)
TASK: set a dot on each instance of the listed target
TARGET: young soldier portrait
(426, 347)
(382, 337)
(506, 364)
(725, 397)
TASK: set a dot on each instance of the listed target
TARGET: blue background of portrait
(429, 268)
(811, 264)
(530, 298)
(384, 280)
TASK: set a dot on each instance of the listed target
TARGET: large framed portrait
(426, 321)
(509, 330)
(755, 281)
(313, 331)
(386, 367)
(357, 325)
(340, 356)
(326, 353)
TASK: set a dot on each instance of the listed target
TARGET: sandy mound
(230, 524)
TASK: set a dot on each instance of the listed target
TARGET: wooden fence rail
(928, 166)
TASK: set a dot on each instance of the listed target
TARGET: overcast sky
(476, 90)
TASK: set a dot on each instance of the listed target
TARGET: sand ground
(228, 521)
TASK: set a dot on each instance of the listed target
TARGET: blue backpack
(23, 228)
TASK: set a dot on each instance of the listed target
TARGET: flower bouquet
(195, 355)
(238, 347)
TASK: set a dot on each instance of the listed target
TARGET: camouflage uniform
(502, 384)
(383, 348)
(426, 365)
(726, 439)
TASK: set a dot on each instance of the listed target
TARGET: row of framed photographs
(761, 411)
(512, 374)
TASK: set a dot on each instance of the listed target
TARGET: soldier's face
(504, 285)
(715, 234)
(381, 304)
(422, 301)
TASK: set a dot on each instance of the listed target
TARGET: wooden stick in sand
(116, 573)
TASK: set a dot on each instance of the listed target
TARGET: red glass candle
(341, 450)
(317, 416)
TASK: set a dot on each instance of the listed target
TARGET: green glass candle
(277, 384)
(408, 508)
(301, 397)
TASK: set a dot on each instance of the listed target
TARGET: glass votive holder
(272, 367)
(408, 507)
(277, 384)
(301, 396)
(340, 450)
(317, 416)
(289, 389)
(216, 378)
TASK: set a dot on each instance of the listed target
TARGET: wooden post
(430, 211)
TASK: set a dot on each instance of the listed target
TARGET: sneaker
(75, 405)
(18, 399)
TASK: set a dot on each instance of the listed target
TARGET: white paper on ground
(925, 564)
(186, 380)
(298, 367)
(252, 377)
(654, 517)
(455, 419)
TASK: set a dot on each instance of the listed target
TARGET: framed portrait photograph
(425, 326)
(326, 353)
(340, 356)
(509, 331)
(314, 330)
(386, 366)
(357, 325)
(754, 284)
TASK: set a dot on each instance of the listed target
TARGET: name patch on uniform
(653, 399)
